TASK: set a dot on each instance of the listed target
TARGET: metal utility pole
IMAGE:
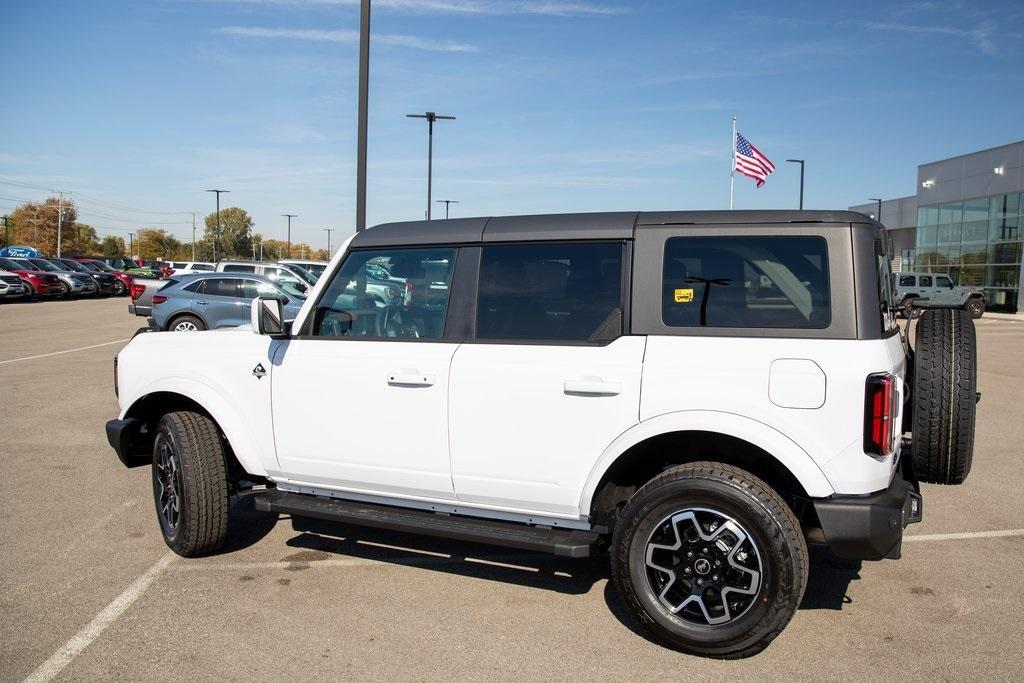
(7, 232)
(430, 117)
(289, 216)
(193, 235)
(131, 245)
(216, 236)
(60, 221)
(446, 202)
(329, 231)
(878, 217)
(801, 162)
(364, 99)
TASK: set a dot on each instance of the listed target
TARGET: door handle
(410, 378)
(201, 303)
(591, 386)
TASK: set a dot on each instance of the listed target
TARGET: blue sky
(562, 105)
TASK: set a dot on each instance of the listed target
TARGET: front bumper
(133, 448)
(870, 527)
(12, 292)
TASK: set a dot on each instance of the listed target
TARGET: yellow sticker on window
(684, 296)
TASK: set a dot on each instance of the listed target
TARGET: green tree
(152, 243)
(80, 240)
(112, 245)
(236, 230)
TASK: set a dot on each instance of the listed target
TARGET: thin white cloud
(347, 36)
(561, 8)
(982, 35)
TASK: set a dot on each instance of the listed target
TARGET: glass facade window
(976, 242)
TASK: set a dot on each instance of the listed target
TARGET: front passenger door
(360, 395)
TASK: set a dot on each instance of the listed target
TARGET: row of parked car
(38, 277)
(219, 295)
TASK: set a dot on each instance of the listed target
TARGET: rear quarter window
(744, 282)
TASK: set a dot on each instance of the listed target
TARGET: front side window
(775, 282)
(942, 281)
(411, 305)
(556, 291)
(253, 288)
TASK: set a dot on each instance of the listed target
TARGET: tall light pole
(60, 220)
(364, 99)
(801, 162)
(216, 236)
(446, 202)
(328, 231)
(193, 235)
(878, 217)
(289, 216)
(430, 117)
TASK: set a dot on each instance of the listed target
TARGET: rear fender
(797, 461)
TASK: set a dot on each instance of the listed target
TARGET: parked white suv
(699, 393)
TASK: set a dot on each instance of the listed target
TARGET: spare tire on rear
(944, 396)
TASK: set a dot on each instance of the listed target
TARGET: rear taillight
(881, 405)
(157, 299)
(137, 291)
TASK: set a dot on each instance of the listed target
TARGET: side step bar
(561, 542)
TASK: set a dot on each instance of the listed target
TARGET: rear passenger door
(548, 380)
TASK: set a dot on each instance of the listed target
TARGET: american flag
(750, 162)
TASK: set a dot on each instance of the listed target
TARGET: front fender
(220, 407)
(789, 454)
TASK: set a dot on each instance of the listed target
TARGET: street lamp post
(430, 117)
(289, 216)
(446, 202)
(878, 216)
(216, 236)
(801, 162)
(364, 98)
(328, 231)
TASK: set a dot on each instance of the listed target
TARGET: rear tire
(975, 307)
(945, 385)
(186, 323)
(710, 560)
(190, 487)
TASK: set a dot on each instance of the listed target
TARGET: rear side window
(221, 287)
(566, 292)
(238, 268)
(773, 282)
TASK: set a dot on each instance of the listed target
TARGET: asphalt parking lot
(89, 591)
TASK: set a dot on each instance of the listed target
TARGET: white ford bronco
(698, 394)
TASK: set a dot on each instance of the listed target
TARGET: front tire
(190, 487)
(710, 560)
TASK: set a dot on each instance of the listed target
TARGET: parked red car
(126, 280)
(37, 282)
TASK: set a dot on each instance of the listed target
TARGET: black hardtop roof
(565, 226)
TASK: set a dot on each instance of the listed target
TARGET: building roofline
(971, 154)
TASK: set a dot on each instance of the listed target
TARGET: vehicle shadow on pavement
(829, 580)
(247, 526)
(533, 570)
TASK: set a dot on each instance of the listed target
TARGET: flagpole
(732, 172)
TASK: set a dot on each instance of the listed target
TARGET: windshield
(102, 266)
(43, 264)
(90, 266)
(25, 264)
(8, 264)
(69, 265)
(303, 273)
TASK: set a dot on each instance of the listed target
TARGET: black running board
(561, 542)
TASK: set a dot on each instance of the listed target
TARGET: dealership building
(966, 220)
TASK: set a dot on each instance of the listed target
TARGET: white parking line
(81, 640)
(57, 353)
(966, 535)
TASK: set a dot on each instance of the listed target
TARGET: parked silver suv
(938, 289)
